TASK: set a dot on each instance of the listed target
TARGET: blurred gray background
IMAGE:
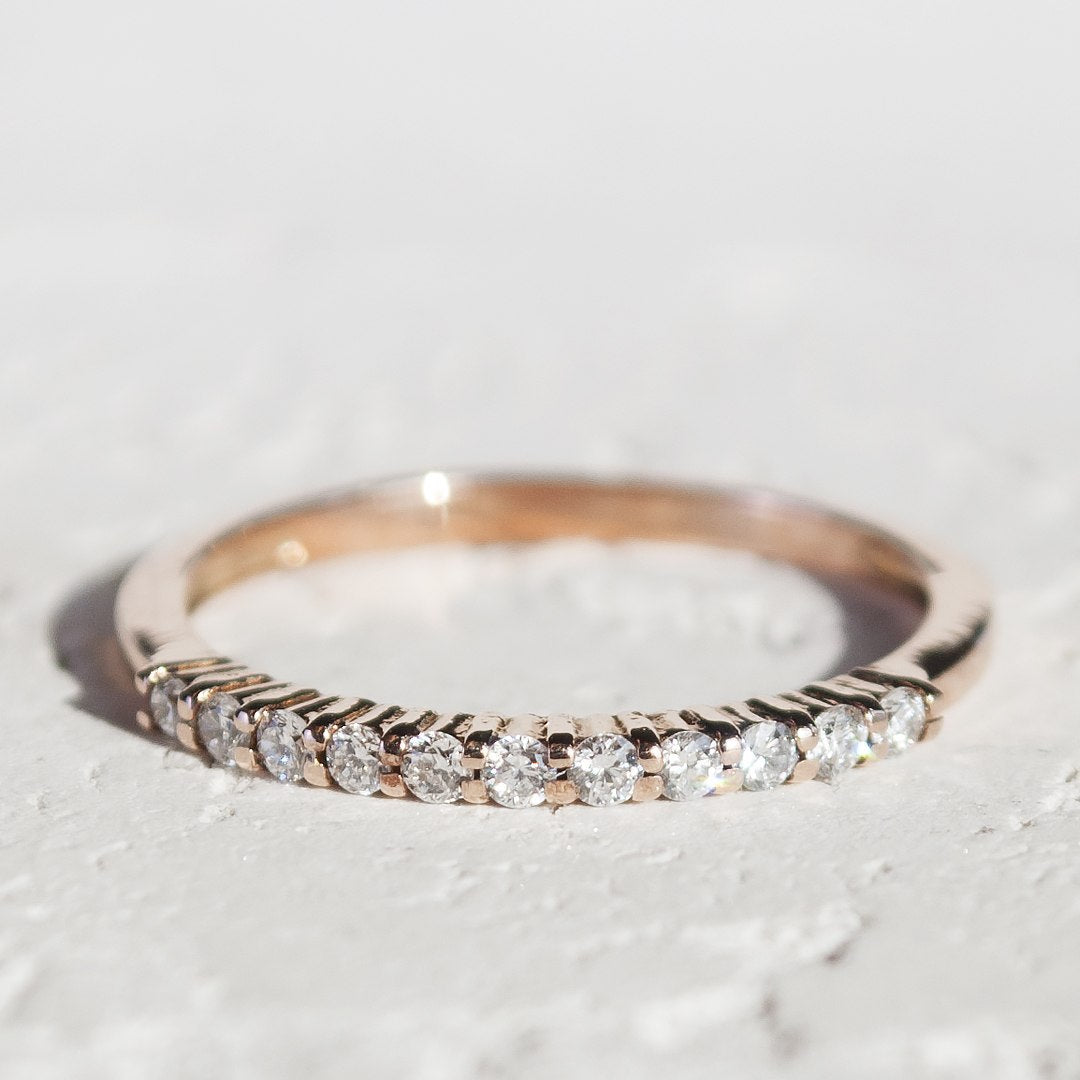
(247, 250)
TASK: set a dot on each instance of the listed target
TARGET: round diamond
(843, 740)
(431, 767)
(163, 704)
(605, 770)
(515, 771)
(278, 741)
(352, 758)
(769, 755)
(906, 710)
(218, 731)
(692, 765)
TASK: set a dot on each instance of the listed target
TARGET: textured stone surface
(250, 250)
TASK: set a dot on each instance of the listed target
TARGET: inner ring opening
(561, 626)
(866, 584)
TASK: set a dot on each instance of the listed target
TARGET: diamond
(843, 740)
(692, 765)
(431, 767)
(352, 758)
(218, 731)
(769, 755)
(164, 696)
(278, 741)
(905, 708)
(605, 770)
(516, 770)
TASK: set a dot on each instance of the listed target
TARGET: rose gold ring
(244, 719)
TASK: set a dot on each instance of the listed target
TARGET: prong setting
(247, 721)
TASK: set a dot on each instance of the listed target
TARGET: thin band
(248, 720)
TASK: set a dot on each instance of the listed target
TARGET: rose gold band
(937, 662)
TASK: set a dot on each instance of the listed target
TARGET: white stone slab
(269, 248)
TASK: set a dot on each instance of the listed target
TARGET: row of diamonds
(246, 721)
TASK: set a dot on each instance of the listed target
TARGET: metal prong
(784, 707)
(246, 759)
(646, 741)
(559, 729)
(560, 792)
(231, 682)
(804, 770)
(185, 735)
(730, 780)
(404, 726)
(478, 734)
(647, 789)
(280, 697)
(523, 724)
(835, 692)
(597, 724)
(391, 784)
(474, 791)
(806, 738)
(315, 773)
(186, 669)
(911, 675)
(731, 750)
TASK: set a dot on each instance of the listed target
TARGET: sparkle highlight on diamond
(605, 770)
(431, 767)
(352, 758)
(516, 770)
(906, 710)
(279, 743)
(164, 698)
(216, 724)
(693, 765)
(769, 755)
(843, 741)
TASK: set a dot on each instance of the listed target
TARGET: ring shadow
(84, 643)
(82, 633)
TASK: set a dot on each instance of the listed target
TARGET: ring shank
(166, 585)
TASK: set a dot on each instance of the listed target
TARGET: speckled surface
(250, 251)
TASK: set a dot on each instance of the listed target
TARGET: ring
(244, 719)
